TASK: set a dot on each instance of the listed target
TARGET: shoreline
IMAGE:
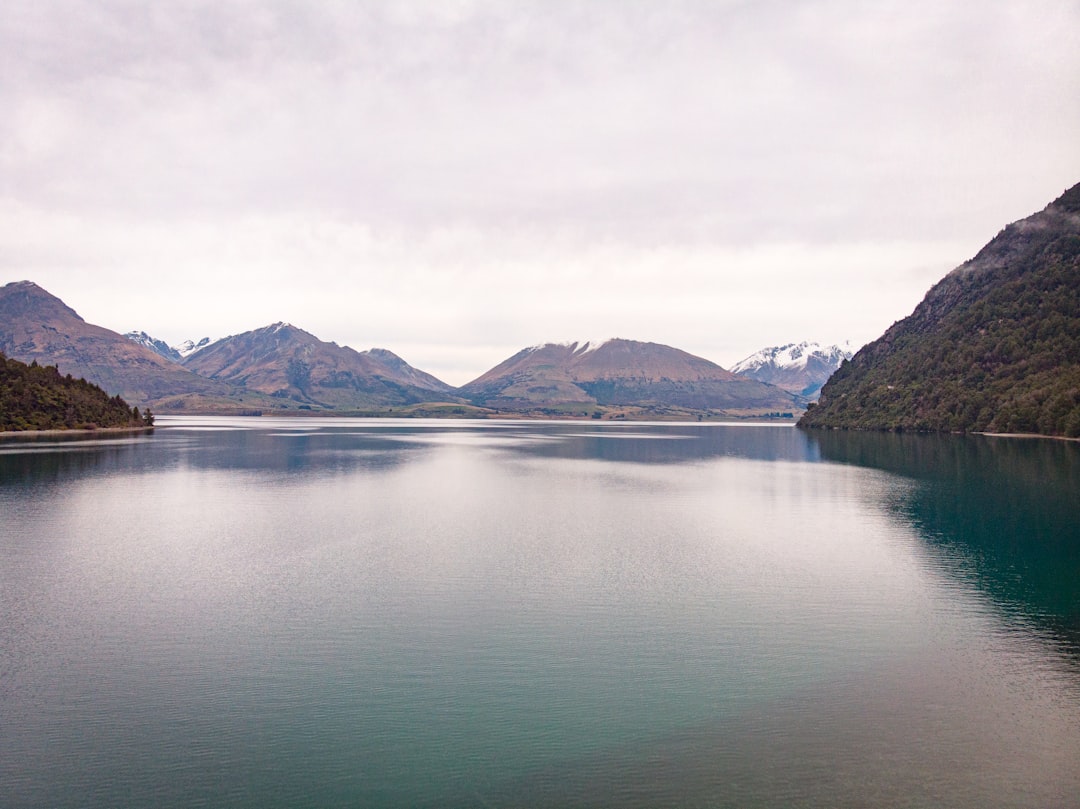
(49, 433)
(936, 432)
(1028, 435)
(523, 417)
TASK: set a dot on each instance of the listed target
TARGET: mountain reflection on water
(329, 446)
(1001, 513)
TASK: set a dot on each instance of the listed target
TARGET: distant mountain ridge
(616, 372)
(281, 368)
(800, 368)
(286, 362)
(36, 326)
(174, 353)
(994, 346)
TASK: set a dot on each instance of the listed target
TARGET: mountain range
(281, 367)
(994, 346)
(800, 368)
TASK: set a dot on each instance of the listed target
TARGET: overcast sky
(457, 180)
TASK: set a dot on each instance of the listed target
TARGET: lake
(273, 612)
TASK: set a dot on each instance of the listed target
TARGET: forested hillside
(34, 397)
(994, 346)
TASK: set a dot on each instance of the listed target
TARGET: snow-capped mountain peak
(159, 347)
(175, 353)
(191, 346)
(796, 367)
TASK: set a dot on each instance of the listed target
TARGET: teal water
(302, 612)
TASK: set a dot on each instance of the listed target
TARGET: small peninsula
(38, 397)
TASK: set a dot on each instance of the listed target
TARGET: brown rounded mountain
(618, 373)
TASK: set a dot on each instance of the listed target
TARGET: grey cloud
(413, 152)
(728, 116)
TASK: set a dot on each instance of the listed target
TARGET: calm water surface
(300, 612)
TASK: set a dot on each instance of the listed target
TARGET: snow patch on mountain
(191, 346)
(588, 346)
(175, 353)
(159, 347)
(579, 346)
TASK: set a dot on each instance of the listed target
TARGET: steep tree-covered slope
(994, 346)
(34, 397)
